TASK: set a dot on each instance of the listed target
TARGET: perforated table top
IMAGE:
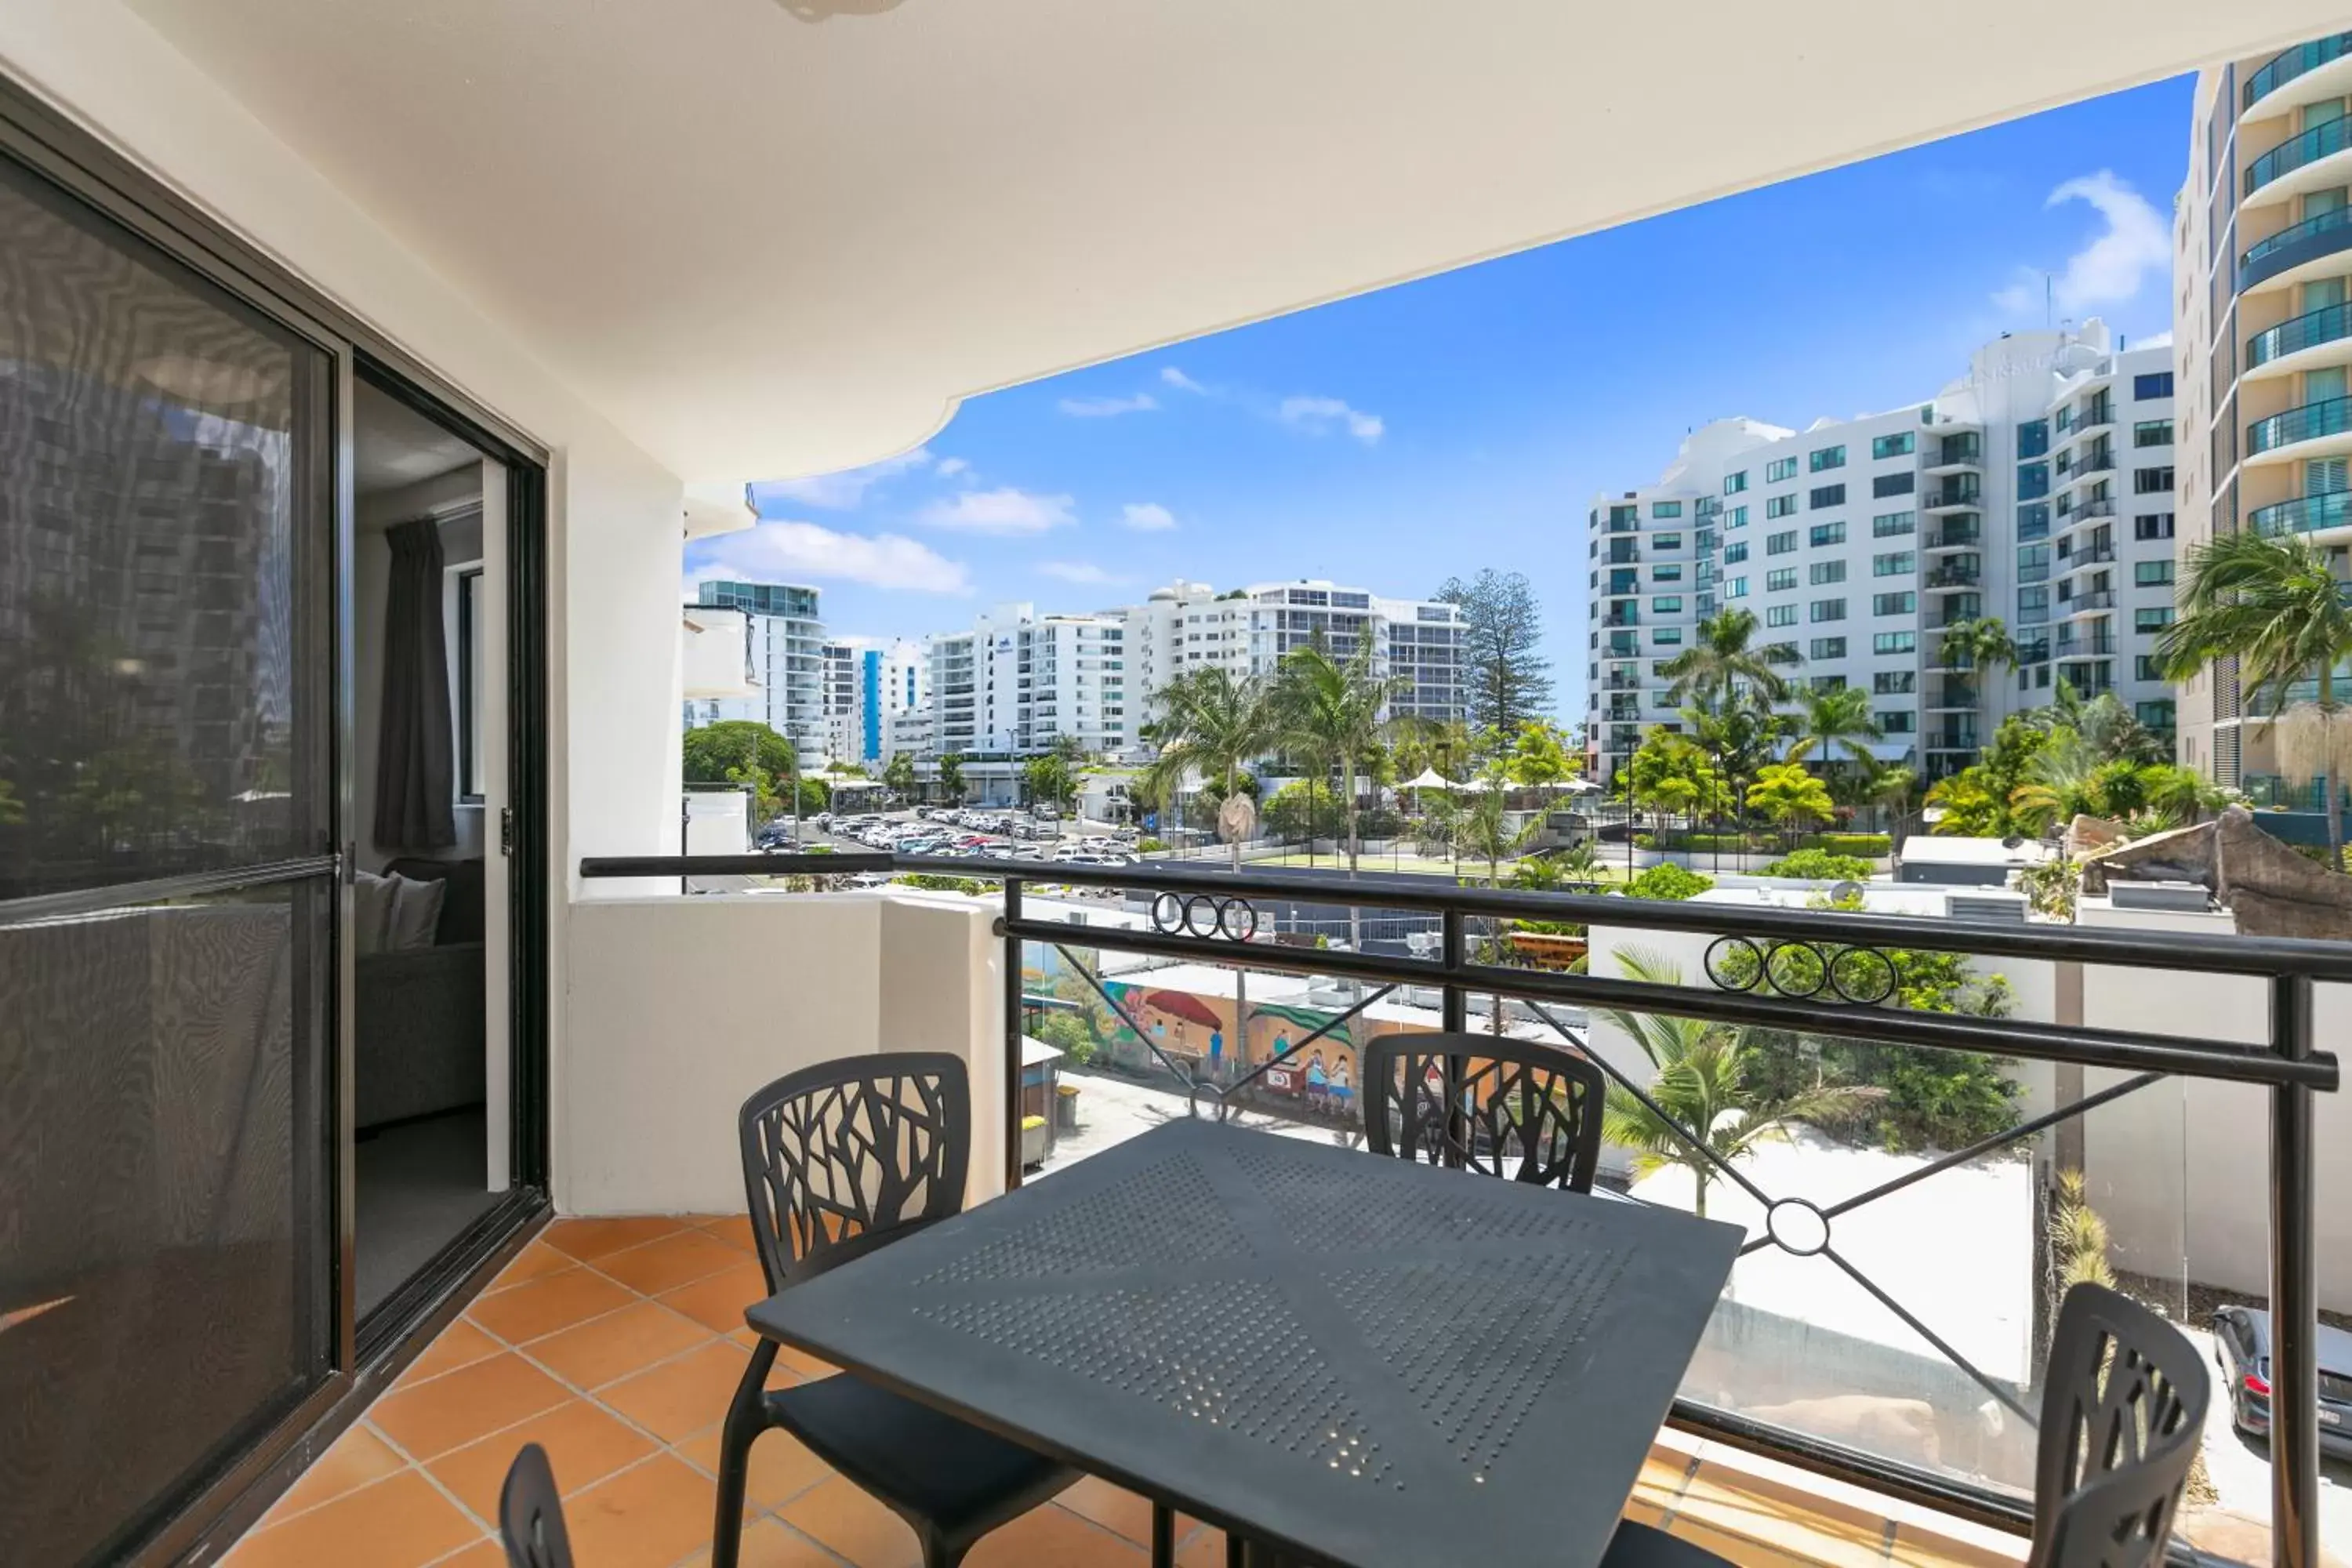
(1355, 1359)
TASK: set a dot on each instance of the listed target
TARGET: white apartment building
(893, 702)
(2036, 489)
(1018, 682)
(787, 659)
(1189, 626)
(841, 738)
(2263, 336)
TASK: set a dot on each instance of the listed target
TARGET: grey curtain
(414, 768)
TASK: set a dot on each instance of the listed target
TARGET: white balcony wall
(682, 1006)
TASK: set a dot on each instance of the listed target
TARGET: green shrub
(1147, 845)
(939, 884)
(1668, 880)
(1067, 1033)
(1872, 845)
(1645, 841)
(1821, 866)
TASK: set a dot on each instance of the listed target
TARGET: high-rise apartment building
(1189, 626)
(2036, 489)
(893, 688)
(787, 659)
(2264, 334)
(841, 741)
(1018, 683)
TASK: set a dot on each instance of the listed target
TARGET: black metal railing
(2319, 141)
(1201, 915)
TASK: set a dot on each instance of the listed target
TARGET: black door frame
(199, 1523)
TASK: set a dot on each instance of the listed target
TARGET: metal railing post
(1455, 1017)
(2295, 1294)
(1014, 1037)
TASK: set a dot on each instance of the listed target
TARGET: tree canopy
(1509, 679)
(742, 752)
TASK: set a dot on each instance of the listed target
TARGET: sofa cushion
(461, 903)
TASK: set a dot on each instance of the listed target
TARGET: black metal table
(1351, 1360)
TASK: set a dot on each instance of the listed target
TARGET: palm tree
(1721, 660)
(2273, 605)
(1214, 722)
(1486, 830)
(1980, 644)
(1701, 1084)
(1834, 719)
(1332, 712)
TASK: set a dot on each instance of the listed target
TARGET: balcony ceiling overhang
(769, 238)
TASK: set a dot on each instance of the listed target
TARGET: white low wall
(681, 1007)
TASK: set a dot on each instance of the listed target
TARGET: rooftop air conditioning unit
(2179, 897)
(1998, 909)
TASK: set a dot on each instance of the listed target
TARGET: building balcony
(2306, 63)
(2103, 646)
(1954, 455)
(1950, 497)
(2084, 512)
(2093, 555)
(2095, 602)
(2095, 416)
(2323, 513)
(2084, 470)
(1622, 681)
(1621, 618)
(1953, 696)
(2317, 337)
(1953, 577)
(2315, 429)
(2295, 253)
(1957, 533)
(1949, 740)
(2308, 162)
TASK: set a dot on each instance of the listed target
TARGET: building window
(2152, 433)
(1735, 587)
(2146, 667)
(1779, 543)
(2155, 713)
(2032, 480)
(1667, 542)
(1889, 525)
(470, 767)
(1903, 604)
(1666, 508)
(1733, 554)
(2034, 604)
(1824, 458)
(1667, 604)
(1829, 647)
(1826, 495)
(2154, 619)
(1780, 506)
(2033, 520)
(2152, 525)
(1896, 722)
(2157, 385)
(1899, 563)
(1780, 579)
(1666, 636)
(2152, 481)
(1896, 446)
(1828, 533)
(2033, 562)
(1668, 573)
(2033, 438)
(1624, 516)
(1826, 682)
(1827, 571)
(1737, 517)
(1779, 615)
(1894, 682)
(1828, 610)
(1735, 483)
(1780, 469)
(2151, 574)
(1901, 484)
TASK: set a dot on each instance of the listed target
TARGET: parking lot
(973, 833)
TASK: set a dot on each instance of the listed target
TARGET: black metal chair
(531, 1515)
(840, 1159)
(2123, 1409)
(1477, 1100)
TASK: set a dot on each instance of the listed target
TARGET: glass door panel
(167, 893)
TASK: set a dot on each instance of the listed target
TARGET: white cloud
(1320, 416)
(1107, 407)
(1005, 510)
(2110, 269)
(797, 552)
(844, 491)
(1176, 378)
(1146, 517)
(950, 466)
(1085, 572)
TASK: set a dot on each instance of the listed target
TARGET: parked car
(2241, 1343)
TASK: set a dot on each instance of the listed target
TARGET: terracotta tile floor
(615, 1343)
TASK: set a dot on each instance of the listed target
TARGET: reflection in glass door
(167, 891)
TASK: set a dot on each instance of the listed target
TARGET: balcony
(2085, 511)
(1622, 618)
(1953, 696)
(2277, 348)
(2281, 258)
(2309, 514)
(2307, 152)
(2100, 647)
(2081, 468)
(1624, 552)
(1950, 497)
(2292, 63)
(2088, 604)
(1954, 455)
(2308, 430)
(1959, 533)
(1951, 576)
(1622, 681)
(2099, 412)
(2093, 555)
(1950, 739)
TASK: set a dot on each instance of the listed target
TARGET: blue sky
(1467, 420)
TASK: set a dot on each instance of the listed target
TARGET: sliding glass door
(167, 881)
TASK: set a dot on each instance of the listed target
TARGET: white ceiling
(779, 236)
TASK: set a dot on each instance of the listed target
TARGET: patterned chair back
(1518, 1108)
